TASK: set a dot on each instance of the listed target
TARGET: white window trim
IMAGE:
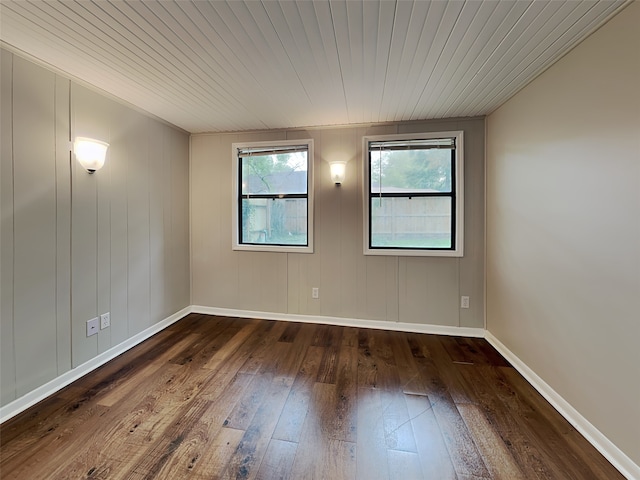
(235, 245)
(458, 250)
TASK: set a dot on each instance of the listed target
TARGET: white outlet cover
(105, 320)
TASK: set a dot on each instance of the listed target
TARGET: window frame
(457, 250)
(237, 198)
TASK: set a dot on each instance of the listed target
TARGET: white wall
(352, 285)
(75, 245)
(563, 228)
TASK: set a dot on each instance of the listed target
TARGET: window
(273, 207)
(414, 201)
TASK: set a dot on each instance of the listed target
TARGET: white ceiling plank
(228, 65)
(422, 52)
(378, 60)
(451, 54)
(394, 79)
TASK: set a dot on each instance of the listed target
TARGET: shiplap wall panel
(351, 284)
(103, 239)
(7, 358)
(472, 265)
(205, 236)
(34, 217)
(180, 239)
(138, 224)
(63, 225)
(83, 242)
(429, 291)
(157, 172)
(329, 214)
(118, 226)
(172, 151)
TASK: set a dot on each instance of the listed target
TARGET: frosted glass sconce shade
(337, 172)
(90, 153)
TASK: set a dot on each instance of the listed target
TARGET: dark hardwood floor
(213, 397)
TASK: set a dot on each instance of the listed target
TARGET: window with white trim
(273, 189)
(414, 202)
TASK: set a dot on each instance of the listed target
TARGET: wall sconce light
(337, 172)
(90, 153)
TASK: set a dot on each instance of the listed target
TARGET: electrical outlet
(464, 302)
(92, 326)
(105, 320)
(315, 292)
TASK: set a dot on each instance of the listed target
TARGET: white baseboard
(612, 453)
(34, 396)
(344, 322)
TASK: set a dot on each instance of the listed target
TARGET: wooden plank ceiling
(210, 66)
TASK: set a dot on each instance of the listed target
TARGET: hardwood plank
(388, 377)
(289, 366)
(290, 332)
(232, 345)
(320, 455)
(507, 425)
(252, 399)
(345, 415)
(398, 433)
(246, 459)
(23, 459)
(350, 336)
(278, 460)
(117, 394)
(217, 455)
(547, 428)
(290, 426)
(432, 451)
(193, 454)
(410, 378)
(376, 366)
(152, 463)
(329, 363)
(259, 354)
(404, 465)
(371, 460)
(499, 461)
(445, 371)
(577, 446)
